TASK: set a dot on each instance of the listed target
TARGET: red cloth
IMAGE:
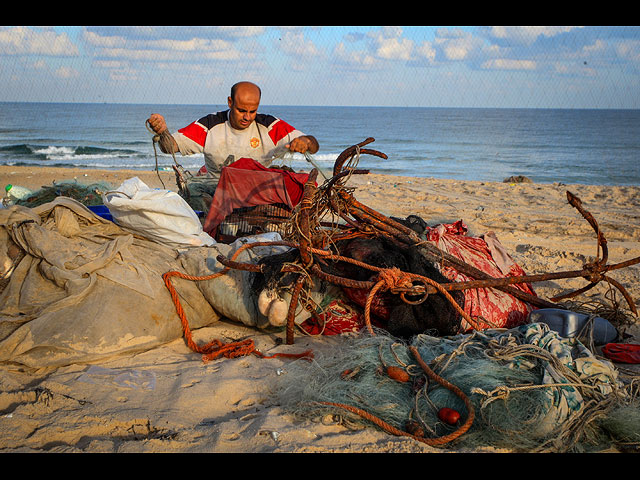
(380, 303)
(622, 352)
(247, 183)
(488, 255)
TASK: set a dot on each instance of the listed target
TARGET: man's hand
(304, 144)
(157, 123)
(167, 142)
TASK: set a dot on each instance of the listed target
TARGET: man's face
(243, 108)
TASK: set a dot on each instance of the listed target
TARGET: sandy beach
(226, 405)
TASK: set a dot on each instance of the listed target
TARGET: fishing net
(530, 389)
(87, 194)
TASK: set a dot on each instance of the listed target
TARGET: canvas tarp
(86, 289)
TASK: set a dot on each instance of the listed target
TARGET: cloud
(367, 59)
(374, 49)
(134, 33)
(525, 35)
(395, 49)
(29, 41)
(388, 44)
(629, 50)
(358, 59)
(293, 43)
(509, 64)
(66, 72)
(143, 46)
(426, 51)
(105, 41)
(457, 45)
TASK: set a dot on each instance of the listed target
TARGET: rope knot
(593, 272)
(392, 278)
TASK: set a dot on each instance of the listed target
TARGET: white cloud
(183, 51)
(97, 40)
(389, 45)
(395, 49)
(142, 47)
(66, 72)
(28, 41)
(294, 43)
(526, 35)
(110, 64)
(509, 64)
(426, 50)
(358, 59)
(629, 50)
(170, 55)
(457, 45)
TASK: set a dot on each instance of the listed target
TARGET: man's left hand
(303, 144)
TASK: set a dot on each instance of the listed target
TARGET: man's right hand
(157, 123)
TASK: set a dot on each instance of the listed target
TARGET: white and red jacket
(222, 144)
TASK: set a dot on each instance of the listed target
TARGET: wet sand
(224, 406)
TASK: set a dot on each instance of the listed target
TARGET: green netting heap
(531, 389)
(87, 194)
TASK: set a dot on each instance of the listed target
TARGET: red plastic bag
(336, 319)
(622, 352)
(487, 254)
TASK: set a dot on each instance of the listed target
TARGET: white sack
(231, 294)
(160, 215)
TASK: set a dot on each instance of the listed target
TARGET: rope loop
(394, 278)
(215, 348)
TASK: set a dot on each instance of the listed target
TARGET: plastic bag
(15, 193)
(159, 215)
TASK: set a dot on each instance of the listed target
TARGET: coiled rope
(394, 278)
(215, 348)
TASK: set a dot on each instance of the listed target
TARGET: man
(241, 131)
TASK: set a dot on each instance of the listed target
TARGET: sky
(414, 66)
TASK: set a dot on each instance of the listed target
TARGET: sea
(570, 146)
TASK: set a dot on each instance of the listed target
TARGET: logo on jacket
(254, 142)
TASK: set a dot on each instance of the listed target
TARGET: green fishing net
(87, 194)
(531, 389)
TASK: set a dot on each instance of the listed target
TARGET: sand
(225, 406)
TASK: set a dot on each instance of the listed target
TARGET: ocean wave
(21, 149)
(119, 163)
(51, 151)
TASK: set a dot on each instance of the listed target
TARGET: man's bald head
(245, 87)
(243, 104)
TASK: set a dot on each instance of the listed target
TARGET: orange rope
(396, 431)
(387, 280)
(391, 278)
(216, 348)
